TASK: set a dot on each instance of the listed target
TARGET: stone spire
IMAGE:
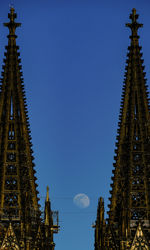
(130, 200)
(19, 207)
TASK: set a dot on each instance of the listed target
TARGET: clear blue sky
(73, 56)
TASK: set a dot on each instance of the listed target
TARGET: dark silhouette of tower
(21, 223)
(128, 223)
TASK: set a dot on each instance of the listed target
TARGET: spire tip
(134, 25)
(134, 11)
(47, 193)
(12, 25)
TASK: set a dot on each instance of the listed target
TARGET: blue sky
(73, 56)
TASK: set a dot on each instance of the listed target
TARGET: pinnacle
(47, 194)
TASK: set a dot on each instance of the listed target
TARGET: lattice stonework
(139, 240)
(20, 214)
(10, 241)
(130, 199)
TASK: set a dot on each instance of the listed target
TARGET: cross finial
(134, 26)
(12, 25)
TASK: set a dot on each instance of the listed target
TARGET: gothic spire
(15, 138)
(19, 205)
(130, 201)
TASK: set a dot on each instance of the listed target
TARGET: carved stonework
(139, 240)
(10, 241)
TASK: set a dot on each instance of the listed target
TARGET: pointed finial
(134, 26)
(47, 194)
(101, 200)
(12, 25)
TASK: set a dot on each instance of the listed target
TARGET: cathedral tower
(128, 223)
(21, 223)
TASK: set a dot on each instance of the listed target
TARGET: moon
(81, 200)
